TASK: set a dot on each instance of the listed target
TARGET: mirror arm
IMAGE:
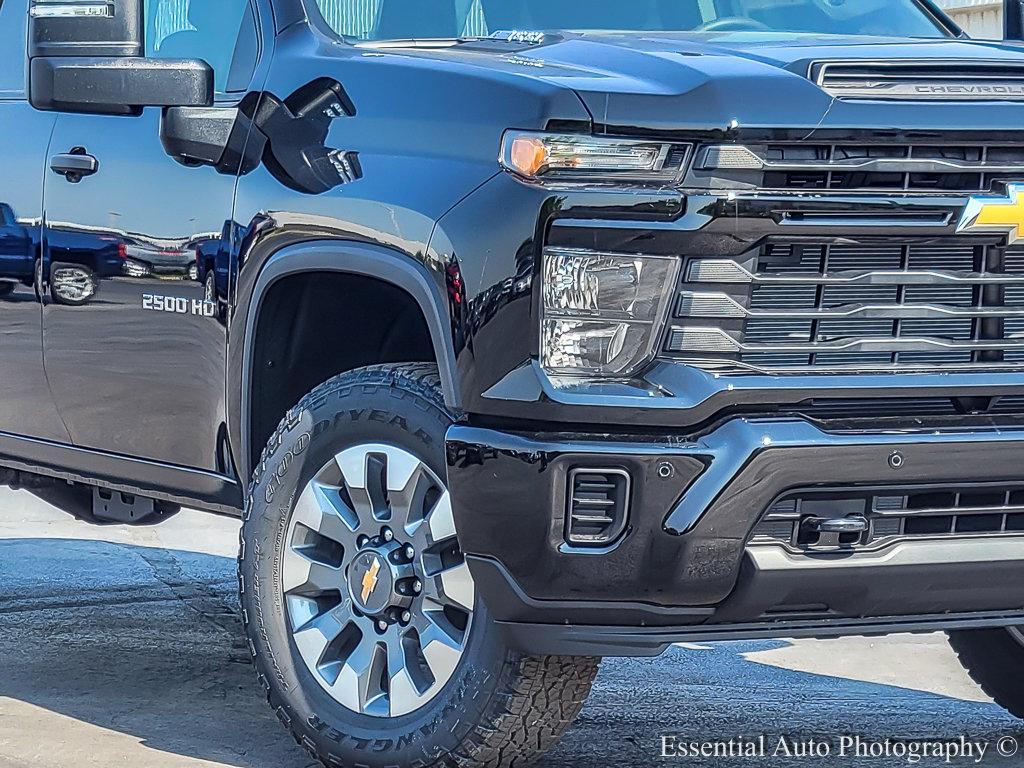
(221, 137)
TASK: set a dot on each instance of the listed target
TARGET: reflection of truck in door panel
(17, 251)
(78, 259)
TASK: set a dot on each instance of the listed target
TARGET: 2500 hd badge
(178, 305)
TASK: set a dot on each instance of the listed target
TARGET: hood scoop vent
(910, 80)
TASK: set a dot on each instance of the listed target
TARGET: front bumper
(684, 569)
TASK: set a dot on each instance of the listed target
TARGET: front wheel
(360, 607)
(994, 658)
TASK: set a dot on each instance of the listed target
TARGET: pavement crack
(210, 604)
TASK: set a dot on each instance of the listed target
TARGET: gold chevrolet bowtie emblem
(996, 214)
(370, 580)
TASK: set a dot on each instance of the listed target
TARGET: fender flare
(356, 258)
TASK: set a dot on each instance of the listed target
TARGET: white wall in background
(980, 18)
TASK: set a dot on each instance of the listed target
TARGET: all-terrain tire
(994, 658)
(500, 707)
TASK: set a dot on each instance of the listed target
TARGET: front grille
(909, 80)
(873, 306)
(850, 167)
(891, 515)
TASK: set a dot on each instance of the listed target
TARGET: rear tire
(487, 706)
(994, 658)
(72, 284)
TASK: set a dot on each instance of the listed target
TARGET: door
(135, 345)
(26, 407)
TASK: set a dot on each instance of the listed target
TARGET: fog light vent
(598, 506)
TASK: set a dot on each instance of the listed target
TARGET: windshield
(404, 19)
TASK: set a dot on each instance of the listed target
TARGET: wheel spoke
(408, 505)
(305, 576)
(432, 626)
(442, 658)
(359, 683)
(372, 473)
(321, 508)
(404, 695)
(312, 638)
(440, 521)
(456, 587)
(356, 475)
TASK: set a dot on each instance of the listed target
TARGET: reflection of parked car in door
(145, 260)
(16, 252)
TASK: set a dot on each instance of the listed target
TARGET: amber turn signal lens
(529, 155)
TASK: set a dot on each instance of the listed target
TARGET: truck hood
(668, 82)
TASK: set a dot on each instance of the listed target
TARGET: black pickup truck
(529, 332)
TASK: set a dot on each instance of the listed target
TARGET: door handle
(74, 165)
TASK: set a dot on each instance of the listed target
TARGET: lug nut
(406, 617)
(382, 625)
(410, 552)
(388, 535)
(417, 586)
(362, 540)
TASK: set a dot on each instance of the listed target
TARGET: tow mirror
(90, 57)
(1013, 20)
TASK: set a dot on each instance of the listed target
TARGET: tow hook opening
(818, 532)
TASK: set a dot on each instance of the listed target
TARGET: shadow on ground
(145, 643)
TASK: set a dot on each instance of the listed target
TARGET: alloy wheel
(378, 593)
(72, 283)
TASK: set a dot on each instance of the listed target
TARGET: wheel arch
(365, 260)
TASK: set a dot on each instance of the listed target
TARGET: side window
(198, 29)
(13, 34)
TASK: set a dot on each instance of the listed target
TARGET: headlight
(590, 158)
(602, 311)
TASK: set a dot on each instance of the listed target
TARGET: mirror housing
(222, 138)
(1013, 20)
(89, 57)
(117, 86)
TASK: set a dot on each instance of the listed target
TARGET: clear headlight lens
(582, 158)
(601, 311)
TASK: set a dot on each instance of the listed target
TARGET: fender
(357, 258)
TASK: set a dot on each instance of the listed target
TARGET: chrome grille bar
(726, 271)
(719, 340)
(875, 306)
(735, 157)
(693, 304)
(935, 168)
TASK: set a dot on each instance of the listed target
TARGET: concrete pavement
(121, 647)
